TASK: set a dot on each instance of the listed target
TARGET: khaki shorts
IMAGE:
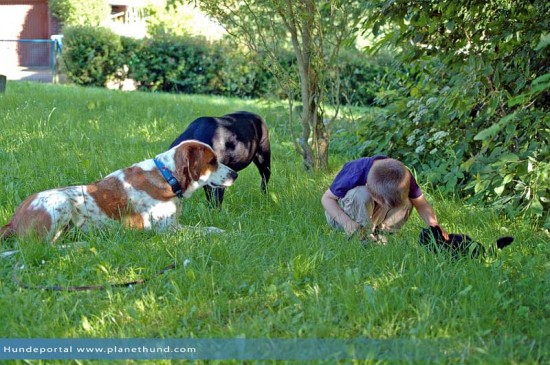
(361, 208)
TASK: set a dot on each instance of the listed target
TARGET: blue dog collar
(169, 178)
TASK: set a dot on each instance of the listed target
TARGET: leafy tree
(80, 12)
(315, 31)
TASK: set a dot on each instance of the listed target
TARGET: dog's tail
(504, 241)
(6, 231)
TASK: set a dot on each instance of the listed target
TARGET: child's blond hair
(388, 182)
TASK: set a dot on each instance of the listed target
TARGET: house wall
(25, 19)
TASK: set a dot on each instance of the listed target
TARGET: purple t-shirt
(354, 173)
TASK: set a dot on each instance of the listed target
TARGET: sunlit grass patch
(278, 271)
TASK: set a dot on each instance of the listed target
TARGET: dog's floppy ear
(437, 232)
(431, 235)
(504, 241)
(188, 161)
(195, 159)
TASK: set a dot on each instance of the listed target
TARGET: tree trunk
(319, 143)
(314, 152)
(307, 152)
(322, 142)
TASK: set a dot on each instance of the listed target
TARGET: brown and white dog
(139, 196)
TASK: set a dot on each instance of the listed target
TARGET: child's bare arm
(427, 213)
(330, 203)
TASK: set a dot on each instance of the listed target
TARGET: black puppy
(238, 139)
(457, 244)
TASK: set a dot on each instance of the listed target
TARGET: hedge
(193, 65)
(91, 57)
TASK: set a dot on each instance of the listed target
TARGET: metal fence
(38, 54)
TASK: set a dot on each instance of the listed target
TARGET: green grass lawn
(277, 272)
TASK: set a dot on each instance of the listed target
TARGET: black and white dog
(457, 244)
(238, 139)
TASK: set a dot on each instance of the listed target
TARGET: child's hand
(361, 233)
(365, 234)
(352, 228)
(444, 233)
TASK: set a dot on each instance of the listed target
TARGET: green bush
(193, 65)
(245, 76)
(92, 55)
(361, 76)
(464, 137)
(468, 104)
(174, 64)
(80, 12)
